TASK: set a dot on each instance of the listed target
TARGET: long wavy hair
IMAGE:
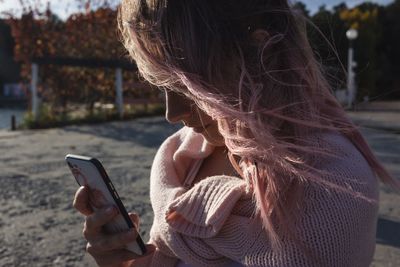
(247, 64)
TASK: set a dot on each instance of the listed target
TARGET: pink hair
(267, 93)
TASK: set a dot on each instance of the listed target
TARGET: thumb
(81, 201)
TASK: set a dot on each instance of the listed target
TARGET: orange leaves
(82, 35)
(355, 16)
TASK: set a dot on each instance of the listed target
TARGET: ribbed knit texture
(217, 224)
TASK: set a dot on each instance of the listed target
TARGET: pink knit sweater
(217, 224)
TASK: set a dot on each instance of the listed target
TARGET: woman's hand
(108, 249)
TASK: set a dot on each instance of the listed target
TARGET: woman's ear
(259, 36)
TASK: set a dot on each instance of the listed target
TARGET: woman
(268, 170)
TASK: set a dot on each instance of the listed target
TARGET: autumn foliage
(93, 34)
(84, 35)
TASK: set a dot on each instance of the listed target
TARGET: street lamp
(351, 34)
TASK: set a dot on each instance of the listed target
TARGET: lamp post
(351, 34)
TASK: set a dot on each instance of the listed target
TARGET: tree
(329, 44)
(92, 34)
(302, 8)
(376, 48)
(389, 52)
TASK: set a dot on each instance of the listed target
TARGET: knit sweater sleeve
(215, 218)
(200, 213)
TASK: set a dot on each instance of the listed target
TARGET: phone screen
(102, 193)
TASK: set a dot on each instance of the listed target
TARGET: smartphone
(91, 173)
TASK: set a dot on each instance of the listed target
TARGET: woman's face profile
(181, 109)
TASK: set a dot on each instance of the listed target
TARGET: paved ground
(386, 145)
(378, 106)
(38, 226)
(383, 120)
(380, 123)
(378, 115)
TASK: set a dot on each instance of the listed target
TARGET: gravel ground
(39, 227)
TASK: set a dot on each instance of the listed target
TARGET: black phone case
(113, 193)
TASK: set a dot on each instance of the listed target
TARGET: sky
(63, 8)
(313, 5)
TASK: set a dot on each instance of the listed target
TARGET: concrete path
(380, 124)
(378, 115)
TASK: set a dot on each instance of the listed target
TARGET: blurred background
(70, 52)
(62, 64)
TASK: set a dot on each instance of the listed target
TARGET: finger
(95, 221)
(150, 248)
(81, 201)
(145, 260)
(135, 219)
(112, 241)
(114, 258)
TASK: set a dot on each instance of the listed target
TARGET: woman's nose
(178, 107)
